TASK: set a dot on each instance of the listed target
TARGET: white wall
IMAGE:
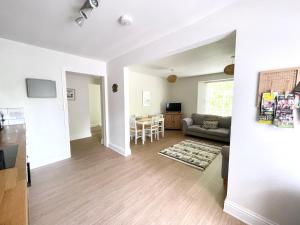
(47, 133)
(201, 97)
(95, 104)
(159, 88)
(185, 90)
(264, 178)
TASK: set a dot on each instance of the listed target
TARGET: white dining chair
(135, 132)
(153, 128)
(161, 126)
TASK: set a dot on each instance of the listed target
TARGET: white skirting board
(80, 136)
(117, 149)
(34, 165)
(245, 215)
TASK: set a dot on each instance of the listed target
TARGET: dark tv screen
(38, 88)
(173, 107)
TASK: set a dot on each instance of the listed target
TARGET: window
(219, 98)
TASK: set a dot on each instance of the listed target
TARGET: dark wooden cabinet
(173, 121)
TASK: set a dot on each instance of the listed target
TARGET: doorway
(85, 104)
(202, 88)
(95, 109)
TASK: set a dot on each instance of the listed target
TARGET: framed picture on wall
(146, 98)
(71, 94)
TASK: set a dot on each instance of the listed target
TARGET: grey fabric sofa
(225, 163)
(193, 126)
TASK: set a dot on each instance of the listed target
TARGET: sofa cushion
(225, 122)
(197, 119)
(196, 128)
(210, 124)
(221, 132)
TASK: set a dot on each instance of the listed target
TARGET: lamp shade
(229, 69)
(172, 78)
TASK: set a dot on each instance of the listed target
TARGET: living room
(183, 84)
(257, 49)
(109, 184)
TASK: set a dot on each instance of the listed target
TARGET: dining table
(144, 121)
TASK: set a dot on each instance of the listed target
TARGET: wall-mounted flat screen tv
(38, 88)
(173, 107)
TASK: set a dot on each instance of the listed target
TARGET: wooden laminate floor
(98, 186)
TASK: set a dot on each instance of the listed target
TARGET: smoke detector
(125, 20)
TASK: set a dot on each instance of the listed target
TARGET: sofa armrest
(225, 161)
(186, 122)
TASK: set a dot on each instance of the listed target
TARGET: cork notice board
(283, 80)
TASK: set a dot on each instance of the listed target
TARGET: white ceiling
(207, 59)
(50, 24)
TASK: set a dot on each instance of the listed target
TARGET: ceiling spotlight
(125, 20)
(90, 4)
(86, 10)
(80, 21)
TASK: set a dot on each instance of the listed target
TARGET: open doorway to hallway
(85, 111)
(95, 108)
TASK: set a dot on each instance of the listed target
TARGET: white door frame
(104, 106)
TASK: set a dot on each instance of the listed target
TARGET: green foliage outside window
(219, 98)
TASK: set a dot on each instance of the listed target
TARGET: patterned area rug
(193, 153)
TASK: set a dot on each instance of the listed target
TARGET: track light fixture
(80, 21)
(85, 11)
